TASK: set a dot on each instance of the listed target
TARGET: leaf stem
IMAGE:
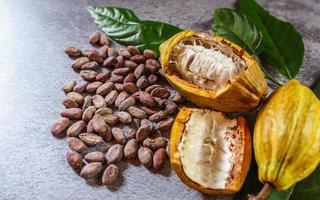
(263, 194)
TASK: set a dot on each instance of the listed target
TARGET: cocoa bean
(88, 75)
(130, 133)
(160, 92)
(75, 129)
(72, 51)
(130, 88)
(146, 99)
(160, 102)
(107, 136)
(136, 112)
(131, 149)
(69, 103)
(105, 88)
(145, 156)
(142, 82)
(118, 87)
(72, 113)
(120, 98)
(135, 123)
(95, 56)
(77, 63)
(80, 87)
(151, 87)
(129, 64)
(88, 113)
(165, 124)
(103, 111)
(103, 51)
(111, 119)
(92, 87)
(121, 71)
(95, 156)
(90, 128)
(114, 154)
(87, 102)
(149, 54)
(130, 101)
(103, 76)
(111, 97)
(104, 40)
(120, 62)
(139, 71)
(112, 52)
(110, 61)
(145, 122)
(59, 126)
(130, 78)
(90, 138)
(94, 37)
(74, 159)
(68, 86)
(124, 117)
(171, 107)
(143, 132)
(93, 65)
(76, 145)
(176, 97)
(133, 50)
(161, 115)
(138, 59)
(136, 95)
(152, 66)
(99, 125)
(150, 111)
(118, 135)
(110, 175)
(115, 78)
(91, 170)
(153, 79)
(159, 158)
(98, 101)
(76, 97)
(125, 53)
(154, 144)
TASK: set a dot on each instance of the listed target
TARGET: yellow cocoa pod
(212, 72)
(287, 136)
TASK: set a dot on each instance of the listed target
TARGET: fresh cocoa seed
(93, 65)
(130, 64)
(75, 129)
(107, 136)
(69, 103)
(120, 62)
(160, 102)
(72, 51)
(59, 126)
(130, 88)
(76, 145)
(149, 54)
(153, 79)
(92, 87)
(120, 98)
(111, 119)
(159, 158)
(125, 53)
(94, 37)
(133, 50)
(103, 76)
(103, 51)
(112, 52)
(88, 113)
(139, 71)
(136, 95)
(136, 112)
(118, 135)
(142, 82)
(171, 107)
(129, 78)
(154, 144)
(176, 97)
(88, 75)
(111, 97)
(87, 102)
(98, 101)
(160, 92)
(130, 133)
(90, 138)
(165, 124)
(99, 124)
(130, 101)
(115, 78)
(150, 111)
(121, 71)
(103, 111)
(110, 175)
(152, 66)
(104, 40)
(76, 97)
(68, 86)
(131, 149)
(146, 99)
(138, 58)
(77, 63)
(74, 159)
(95, 156)
(110, 61)
(114, 154)
(124, 117)
(72, 113)
(90, 128)
(145, 156)
(161, 115)
(105, 88)
(143, 132)
(118, 87)
(91, 170)
(80, 87)
(152, 87)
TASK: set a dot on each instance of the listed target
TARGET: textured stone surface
(33, 66)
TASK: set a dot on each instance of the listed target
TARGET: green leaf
(235, 27)
(123, 26)
(316, 89)
(283, 44)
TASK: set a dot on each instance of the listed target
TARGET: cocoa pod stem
(263, 194)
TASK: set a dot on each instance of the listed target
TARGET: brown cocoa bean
(98, 101)
(111, 119)
(103, 76)
(153, 79)
(91, 170)
(138, 58)
(145, 122)
(59, 126)
(105, 88)
(120, 62)
(139, 71)
(142, 82)
(76, 97)
(146, 99)
(72, 51)
(88, 113)
(112, 52)
(152, 66)
(114, 154)
(165, 124)
(103, 51)
(133, 50)
(110, 175)
(136, 112)
(87, 102)
(176, 97)
(92, 87)
(129, 78)
(90, 128)
(72, 113)
(149, 54)
(90, 66)
(121, 71)
(129, 64)
(125, 53)
(161, 115)
(118, 135)
(131, 149)
(69, 103)
(130, 133)
(75, 129)
(74, 159)
(103, 111)
(109, 62)
(99, 125)
(88, 75)
(80, 87)
(111, 97)
(145, 156)
(160, 102)
(77, 63)
(152, 87)
(130, 101)
(107, 136)
(160, 92)
(159, 158)
(120, 98)
(68, 86)
(143, 132)
(76, 145)
(95, 156)
(136, 95)
(94, 55)
(171, 107)
(94, 37)
(104, 40)
(90, 139)
(115, 78)
(150, 111)
(135, 123)
(154, 144)
(124, 117)
(130, 88)
(118, 87)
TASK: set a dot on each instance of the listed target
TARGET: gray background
(33, 34)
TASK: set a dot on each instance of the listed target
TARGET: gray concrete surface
(33, 34)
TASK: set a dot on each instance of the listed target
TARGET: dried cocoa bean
(171, 107)
(72, 113)
(146, 122)
(93, 65)
(72, 51)
(76, 97)
(150, 111)
(116, 78)
(99, 125)
(130, 88)
(159, 158)
(75, 129)
(120, 98)
(91, 170)
(112, 52)
(131, 149)
(88, 113)
(130, 133)
(59, 126)
(124, 117)
(135, 123)
(130, 101)
(165, 124)
(69, 103)
(103, 111)
(143, 132)
(103, 51)
(87, 102)
(152, 66)
(139, 71)
(68, 86)
(118, 87)
(142, 82)
(125, 53)
(103, 76)
(145, 156)
(74, 159)
(138, 58)
(80, 87)
(130, 78)
(111, 97)
(88, 75)
(95, 156)
(105, 88)
(90, 138)
(92, 87)
(160, 102)
(110, 175)
(118, 135)
(133, 50)
(153, 79)
(120, 62)
(129, 64)
(136, 112)
(154, 144)
(114, 154)
(161, 115)
(151, 87)
(94, 37)
(110, 61)
(77, 63)
(160, 92)
(146, 99)
(98, 101)
(90, 128)
(121, 71)
(104, 40)
(149, 54)
(176, 97)
(107, 136)
(136, 95)
(76, 145)
(111, 119)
